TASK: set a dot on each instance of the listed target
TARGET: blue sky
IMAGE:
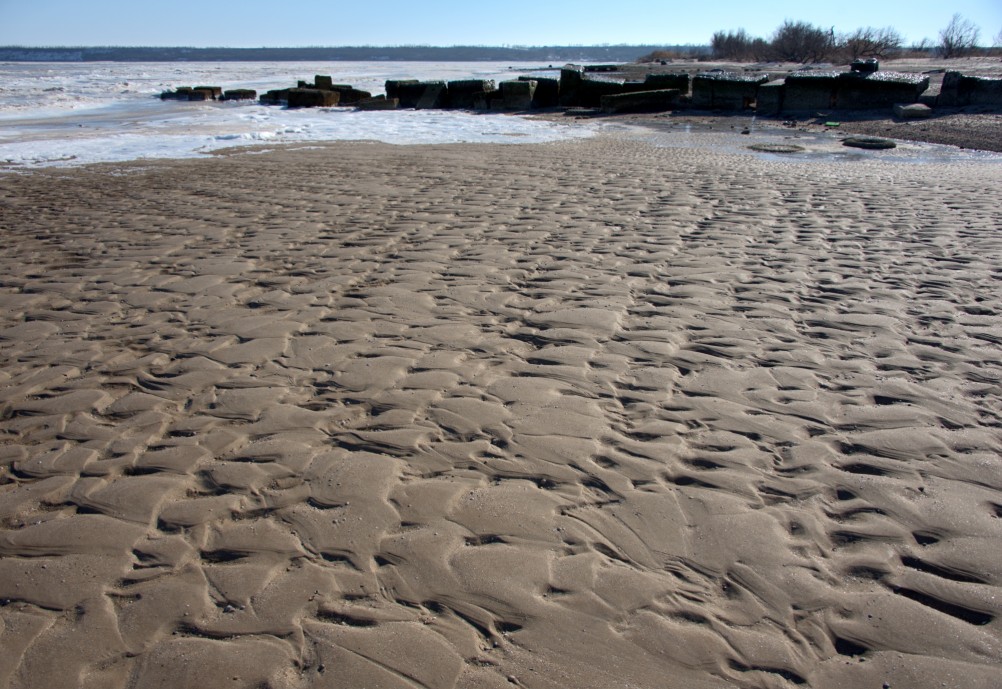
(256, 23)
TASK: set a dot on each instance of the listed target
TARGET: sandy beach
(589, 414)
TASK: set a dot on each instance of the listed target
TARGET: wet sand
(589, 414)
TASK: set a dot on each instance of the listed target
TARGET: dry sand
(589, 414)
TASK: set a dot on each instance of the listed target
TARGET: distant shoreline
(581, 53)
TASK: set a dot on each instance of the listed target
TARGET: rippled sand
(590, 414)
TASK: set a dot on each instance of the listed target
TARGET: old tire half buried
(777, 148)
(870, 142)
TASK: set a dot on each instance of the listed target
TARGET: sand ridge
(589, 414)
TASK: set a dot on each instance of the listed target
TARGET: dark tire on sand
(871, 142)
(777, 148)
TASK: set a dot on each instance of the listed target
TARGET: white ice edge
(158, 140)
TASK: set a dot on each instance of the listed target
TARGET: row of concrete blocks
(572, 89)
(814, 91)
(798, 92)
(203, 93)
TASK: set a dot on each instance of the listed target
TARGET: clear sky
(260, 23)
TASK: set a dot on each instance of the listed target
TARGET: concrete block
(239, 94)
(590, 91)
(435, 95)
(960, 90)
(725, 90)
(877, 90)
(769, 100)
(517, 95)
(422, 95)
(462, 93)
(180, 93)
(810, 91)
(668, 81)
(641, 101)
(378, 103)
(547, 93)
(489, 100)
(571, 77)
(312, 98)
(393, 87)
(214, 92)
(349, 95)
(275, 97)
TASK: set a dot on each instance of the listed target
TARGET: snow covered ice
(64, 114)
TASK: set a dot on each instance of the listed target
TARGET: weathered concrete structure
(547, 93)
(312, 98)
(349, 95)
(275, 97)
(463, 93)
(769, 98)
(960, 90)
(211, 92)
(590, 91)
(656, 82)
(571, 77)
(180, 93)
(239, 94)
(378, 103)
(422, 95)
(810, 91)
(641, 101)
(197, 93)
(392, 86)
(725, 90)
(517, 95)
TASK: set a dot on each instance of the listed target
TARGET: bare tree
(870, 42)
(802, 42)
(959, 37)
(738, 45)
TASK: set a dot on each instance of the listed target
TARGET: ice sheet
(74, 114)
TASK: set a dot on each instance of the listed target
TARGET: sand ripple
(592, 414)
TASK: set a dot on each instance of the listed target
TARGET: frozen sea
(66, 114)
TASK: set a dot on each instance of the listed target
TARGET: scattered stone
(912, 111)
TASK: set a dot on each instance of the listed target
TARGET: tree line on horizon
(802, 42)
